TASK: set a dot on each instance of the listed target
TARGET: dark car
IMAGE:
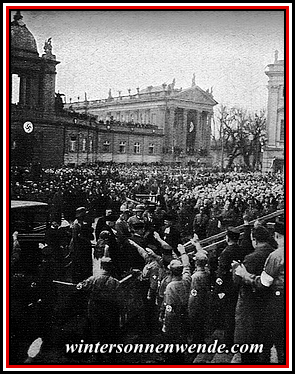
(26, 309)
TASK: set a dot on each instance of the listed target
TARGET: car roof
(25, 204)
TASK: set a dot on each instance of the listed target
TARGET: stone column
(23, 89)
(272, 117)
(198, 131)
(34, 91)
(208, 131)
(161, 118)
(173, 134)
(184, 130)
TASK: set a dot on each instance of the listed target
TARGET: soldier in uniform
(121, 225)
(131, 257)
(272, 278)
(250, 310)
(137, 216)
(149, 278)
(101, 222)
(103, 304)
(171, 234)
(175, 321)
(198, 305)
(81, 246)
(225, 288)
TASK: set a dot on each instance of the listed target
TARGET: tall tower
(36, 75)
(273, 153)
(35, 130)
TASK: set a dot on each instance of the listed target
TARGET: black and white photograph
(147, 166)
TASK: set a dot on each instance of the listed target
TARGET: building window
(122, 147)
(136, 148)
(15, 83)
(84, 145)
(282, 130)
(73, 140)
(151, 148)
(90, 145)
(106, 146)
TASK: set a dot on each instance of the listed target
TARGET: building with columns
(273, 152)
(156, 124)
(182, 115)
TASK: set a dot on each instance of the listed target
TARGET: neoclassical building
(182, 115)
(156, 124)
(273, 152)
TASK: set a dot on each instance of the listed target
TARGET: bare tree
(240, 134)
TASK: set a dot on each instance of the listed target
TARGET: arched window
(15, 83)
(90, 145)
(122, 147)
(136, 148)
(106, 146)
(73, 140)
(84, 145)
(151, 148)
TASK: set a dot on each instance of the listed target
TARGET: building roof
(21, 37)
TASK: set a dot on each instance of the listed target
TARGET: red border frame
(286, 8)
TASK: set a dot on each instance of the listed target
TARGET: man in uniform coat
(198, 305)
(176, 295)
(80, 246)
(171, 234)
(225, 288)
(250, 310)
(121, 225)
(137, 216)
(103, 304)
(271, 279)
(131, 258)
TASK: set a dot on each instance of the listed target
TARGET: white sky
(101, 50)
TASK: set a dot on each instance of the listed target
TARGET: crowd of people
(220, 197)
(102, 232)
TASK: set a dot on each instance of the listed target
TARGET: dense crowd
(187, 192)
(102, 230)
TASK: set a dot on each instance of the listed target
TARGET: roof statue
(48, 47)
(173, 84)
(194, 80)
(17, 19)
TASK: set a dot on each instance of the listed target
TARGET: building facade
(157, 124)
(182, 116)
(273, 152)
